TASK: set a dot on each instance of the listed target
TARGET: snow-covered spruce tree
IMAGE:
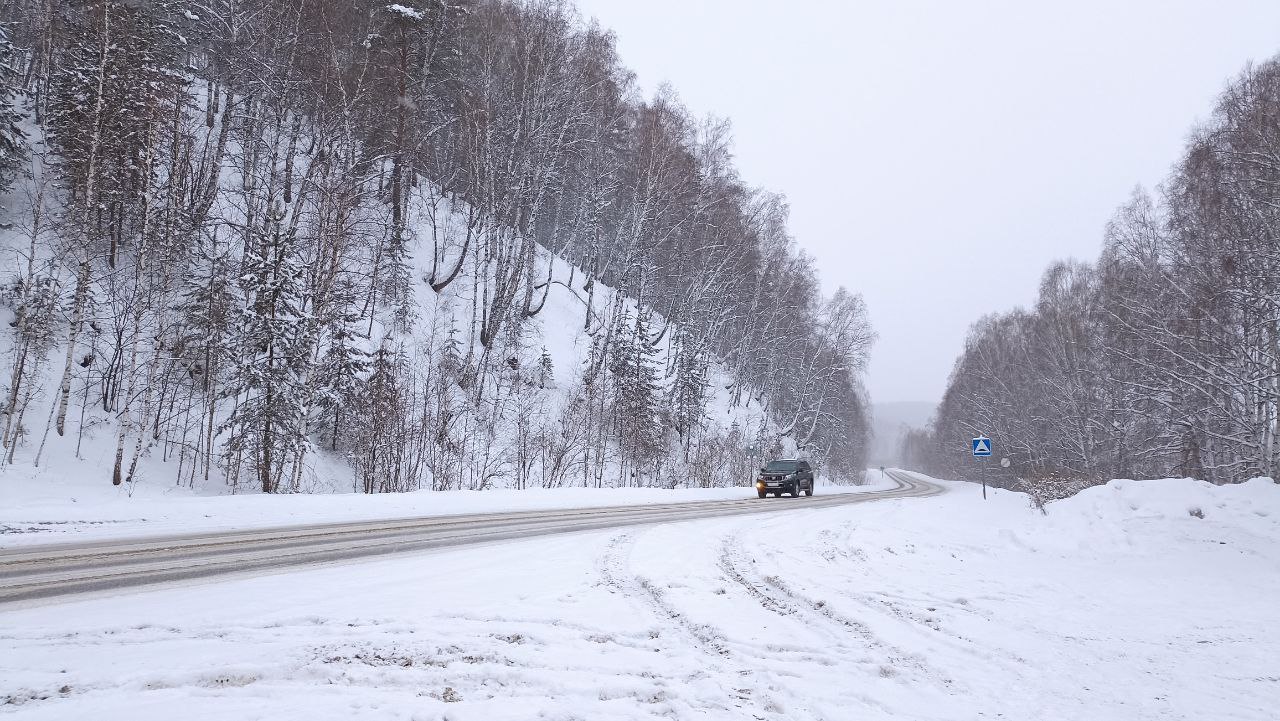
(381, 445)
(687, 395)
(13, 141)
(340, 378)
(265, 427)
(546, 370)
(636, 395)
(451, 361)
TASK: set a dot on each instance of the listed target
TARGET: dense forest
(1162, 358)
(242, 235)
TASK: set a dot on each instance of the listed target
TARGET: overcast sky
(938, 155)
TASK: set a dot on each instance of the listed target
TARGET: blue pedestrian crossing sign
(981, 447)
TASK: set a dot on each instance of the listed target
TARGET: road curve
(48, 572)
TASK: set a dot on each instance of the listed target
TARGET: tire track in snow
(618, 578)
(929, 623)
(927, 626)
(775, 595)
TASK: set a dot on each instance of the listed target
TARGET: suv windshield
(783, 466)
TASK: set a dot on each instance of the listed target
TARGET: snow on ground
(53, 509)
(1118, 604)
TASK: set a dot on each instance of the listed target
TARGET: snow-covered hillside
(551, 351)
(538, 380)
(452, 249)
(1131, 601)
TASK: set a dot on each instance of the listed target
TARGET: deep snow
(1116, 604)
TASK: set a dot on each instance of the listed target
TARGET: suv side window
(804, 466)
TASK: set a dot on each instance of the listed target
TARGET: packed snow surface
(1135, 600)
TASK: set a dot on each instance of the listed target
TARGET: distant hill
(888, 422)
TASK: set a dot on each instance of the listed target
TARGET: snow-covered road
(1119, 604)
(42, 572)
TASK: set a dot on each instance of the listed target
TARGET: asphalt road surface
(48, 572)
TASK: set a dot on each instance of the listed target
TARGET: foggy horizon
(1021, 130)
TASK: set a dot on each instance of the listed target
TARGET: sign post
(982, 450)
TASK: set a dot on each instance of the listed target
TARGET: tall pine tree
(267, 423)
(687, 397)
(636, 394)
(340, 379)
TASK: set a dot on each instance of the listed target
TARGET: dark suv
(785, 476)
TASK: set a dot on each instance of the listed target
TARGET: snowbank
(1174, 499)
(1129, 513)
(1126, 511)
